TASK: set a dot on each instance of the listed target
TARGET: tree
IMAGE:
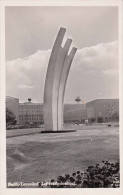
(10, 117)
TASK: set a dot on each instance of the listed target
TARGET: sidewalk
(22, 132)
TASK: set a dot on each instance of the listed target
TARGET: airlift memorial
(55, 83)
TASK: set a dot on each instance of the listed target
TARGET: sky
(30, 33)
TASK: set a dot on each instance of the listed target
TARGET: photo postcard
(61, 96)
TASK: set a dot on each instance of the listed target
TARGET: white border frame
(85, 191)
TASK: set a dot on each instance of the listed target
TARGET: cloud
(92, 73)
(101, 57)
(26, 76)
(25, 86)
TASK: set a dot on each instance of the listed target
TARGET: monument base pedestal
(58, 131)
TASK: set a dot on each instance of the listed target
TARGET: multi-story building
(103, 110)
(99, 110)
(75, 113)
(30, 113)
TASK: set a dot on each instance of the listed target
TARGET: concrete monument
(55, 83)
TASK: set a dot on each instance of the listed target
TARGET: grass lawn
(40, 157)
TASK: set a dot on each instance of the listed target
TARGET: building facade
(99, 110)
(30, 113)
(75, 113)
(103, 110)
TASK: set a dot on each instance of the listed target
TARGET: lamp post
(78, 100)
(83, 110)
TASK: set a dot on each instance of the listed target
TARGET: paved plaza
(39, 157)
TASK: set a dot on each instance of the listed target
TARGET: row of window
(30, 112)
(30, 117)
(30, 107)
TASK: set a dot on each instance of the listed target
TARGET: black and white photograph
(62, 97)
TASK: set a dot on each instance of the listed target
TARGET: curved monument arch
(55, 83)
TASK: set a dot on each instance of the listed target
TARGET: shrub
(103, 175)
